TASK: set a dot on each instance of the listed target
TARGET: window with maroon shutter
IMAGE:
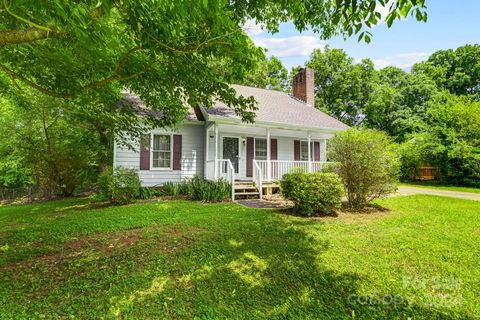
(250, 155)
(145, 152)
(296, 150)
(316, 151)
(161, 151)
(177, 152)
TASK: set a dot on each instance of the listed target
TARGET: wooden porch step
(244, 187)
(247, 194)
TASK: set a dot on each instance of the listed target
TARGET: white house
(214, 143)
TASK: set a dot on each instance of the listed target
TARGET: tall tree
(399, 102)
(342, 87)
(160, 49)
(458, 70)
(45, 143)
(269, 73)
(450, 140)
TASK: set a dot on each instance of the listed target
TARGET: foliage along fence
(426, 173)
(15, 193)
(10, 194)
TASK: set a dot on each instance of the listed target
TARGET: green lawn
(442, 187)
(185, 260)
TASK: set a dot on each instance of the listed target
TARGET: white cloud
(383, 10)
(403, 60)
(296, 46)
(252, 28)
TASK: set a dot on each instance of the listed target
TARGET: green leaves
(457, 71)
(450, 140)
(84, 51)
(342, 87)
(313, 193)
(367, 38)
(367, 164)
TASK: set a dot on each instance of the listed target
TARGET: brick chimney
(303, 86)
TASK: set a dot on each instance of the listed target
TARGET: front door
(231, 151)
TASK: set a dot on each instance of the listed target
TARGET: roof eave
(276, 125)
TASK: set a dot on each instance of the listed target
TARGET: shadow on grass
(250, 265)
(269, 270)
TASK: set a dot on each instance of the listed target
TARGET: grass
(185, 260)
(432, 185)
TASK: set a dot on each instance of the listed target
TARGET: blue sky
(451, 23)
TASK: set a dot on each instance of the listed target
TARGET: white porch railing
(273, 170)
(257, 178)
(221, 169)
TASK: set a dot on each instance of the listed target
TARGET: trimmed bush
(367, 162)
(120, 186)
(199, 189)
(313, 193)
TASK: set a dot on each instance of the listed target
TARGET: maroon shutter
(250, 154)
(273, 149)
(316, 151)
(177, 152)
(145, 152)
(296, 150)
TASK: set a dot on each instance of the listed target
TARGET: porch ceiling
(253, 130)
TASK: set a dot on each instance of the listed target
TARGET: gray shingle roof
(279, 108)
(194, 114)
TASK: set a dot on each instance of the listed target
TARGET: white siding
(193, 140)
(323, 150)
(285, 148)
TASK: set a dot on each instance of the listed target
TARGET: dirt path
(407, 190)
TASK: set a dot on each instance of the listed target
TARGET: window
(304, 151)
(161, 151)
(260, 149)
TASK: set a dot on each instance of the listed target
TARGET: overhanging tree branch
(195, 48)
(116, 75)
(27, 35)
(6, 5)
(37, 32)
(15, 76)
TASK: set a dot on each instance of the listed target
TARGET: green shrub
(120, 186)
(450, 140)
(313, 193)
(182, 188)
(210, 191)
(199, 189)
(367, 162)
(297, 170)
(105, 184)
(149, 193)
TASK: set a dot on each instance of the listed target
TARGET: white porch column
(216, 152)
(309, 152)
(205, 169)
(269, 164)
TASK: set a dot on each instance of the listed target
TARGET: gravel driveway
(407, 190)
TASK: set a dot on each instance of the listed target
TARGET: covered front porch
(262, 154)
